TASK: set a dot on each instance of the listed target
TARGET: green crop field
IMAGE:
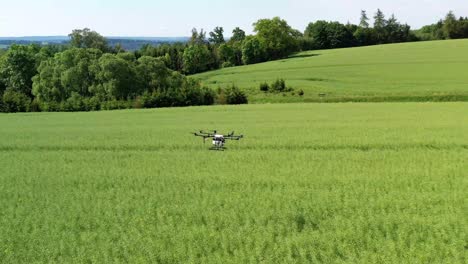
(329, 183)
(424, 71)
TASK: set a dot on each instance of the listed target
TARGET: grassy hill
(310, 183)
(423, 71)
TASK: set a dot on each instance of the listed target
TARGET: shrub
(50, 106)
(227, 64)
(220, 96)
(301, 92)
(235, 96)
(148, 100)
(92, 104)
(15, 102)
(74, 103)
(193, 94)
(264, 87)
(208, 96)
(35, 106)
(116, 105)
(279, 86)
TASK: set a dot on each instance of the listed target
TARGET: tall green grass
(423, 71)
(330, 183)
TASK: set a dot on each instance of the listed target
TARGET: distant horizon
(66, 36)
(155, 18)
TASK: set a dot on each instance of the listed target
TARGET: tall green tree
(226, 54)
(379, 27)
(18, 67)
(364, 21)
(116, 78)
(71, 71)
(238, 34)
(217, 36)
(453, 28)
(86, 38)
(198, 37)
(379, 19)
(279, 38)
(329, 35)
(253, 50)
(197, 58)
(153, 74)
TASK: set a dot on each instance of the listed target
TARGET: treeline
(275, 39)
(448, 28)
(89, 74)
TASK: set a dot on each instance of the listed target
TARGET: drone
(219, 140)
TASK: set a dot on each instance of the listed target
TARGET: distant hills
(128, 43)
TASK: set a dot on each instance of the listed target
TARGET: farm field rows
(331, 183)
(421, 71)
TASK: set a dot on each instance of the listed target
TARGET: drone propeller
(232, 137)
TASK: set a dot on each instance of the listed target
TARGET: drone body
(218, 140)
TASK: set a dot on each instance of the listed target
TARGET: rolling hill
(421, 71)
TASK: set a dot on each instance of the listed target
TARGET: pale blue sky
(178, 17)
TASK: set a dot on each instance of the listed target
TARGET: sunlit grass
(423, 71)
(359, 183)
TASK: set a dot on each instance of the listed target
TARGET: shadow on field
(154, 148)
(303, 56)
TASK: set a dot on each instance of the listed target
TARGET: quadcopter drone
(219, 140)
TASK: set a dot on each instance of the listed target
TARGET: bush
(234, 96)
(35, 106)
(264, 87)
(279, 86)
(74, 103)
(208, 96)
(301, 92)
(220, 96)
(51, 106)
(92, 104)
(116, 105)
(15, 102)
(227, 64)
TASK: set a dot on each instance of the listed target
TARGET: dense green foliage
(422, 71)
(85, 38)
(449, 28)
(310, 183)
(89, 74)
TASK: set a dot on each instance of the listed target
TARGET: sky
(173, 18)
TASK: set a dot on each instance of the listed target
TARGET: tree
(85, 38)
(238, 35)
(197, 58)
(379, 19)
(198, 37)
(226, 53)
(71, 71)
(18, 67)
(216, 36)
(379, 27)
(432, 32)
(339, 36)
(116, 78)
(279, 38)
(365, 36)
(253, 50)
(329, 35)
(364, 20)
(453, 28)
(153, 74)
(318, 33)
